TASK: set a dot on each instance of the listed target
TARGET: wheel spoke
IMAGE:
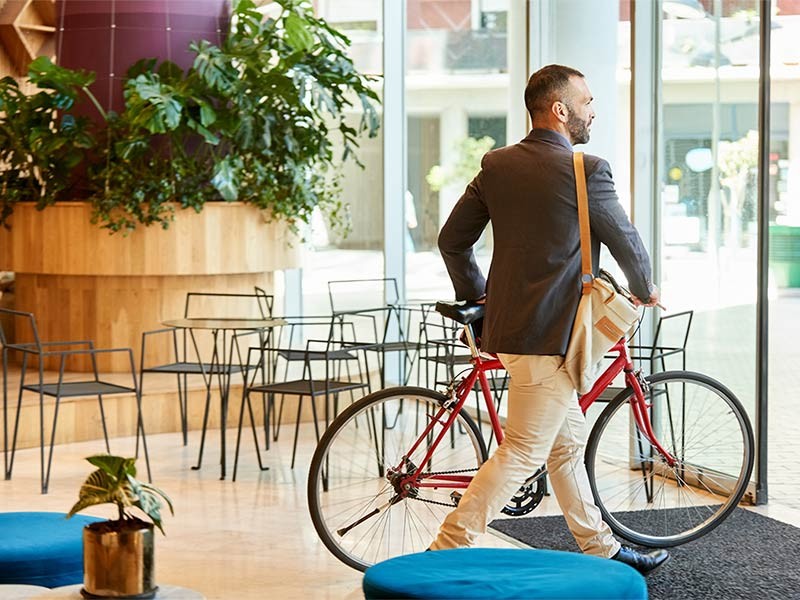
(358, 499)
(704, 428)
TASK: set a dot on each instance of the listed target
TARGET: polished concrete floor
(251, 538)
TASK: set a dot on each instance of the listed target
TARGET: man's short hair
(547, 85)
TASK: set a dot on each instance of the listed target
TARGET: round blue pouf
(501, 573)
(42, 548)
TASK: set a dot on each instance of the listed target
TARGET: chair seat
(500, 573)
(306, 387)
(78, 388)
(396, 346)
(496, 384)
(316, 355)
(449, 359)
(42, 548)
(192, 368)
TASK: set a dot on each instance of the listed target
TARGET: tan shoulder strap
(583, 221)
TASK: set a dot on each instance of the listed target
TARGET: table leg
(208, 380)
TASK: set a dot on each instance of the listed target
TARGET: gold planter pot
(118, 561)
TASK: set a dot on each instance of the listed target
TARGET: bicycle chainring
(526, 499)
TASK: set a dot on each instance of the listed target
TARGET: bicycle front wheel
(357, 504)
(704, 427)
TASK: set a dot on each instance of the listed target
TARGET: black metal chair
(291, 343)
(373, 305)
(313, 382)
(181, 363)
(40, 351)
(442, 351)
(668, 346)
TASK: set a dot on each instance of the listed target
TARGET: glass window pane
(708, 204)
(457, 99)
(784, 251)
(331, 254)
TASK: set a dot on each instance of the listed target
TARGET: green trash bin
(784, 255)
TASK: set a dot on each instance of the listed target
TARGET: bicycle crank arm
(540, 472)
(341, 532)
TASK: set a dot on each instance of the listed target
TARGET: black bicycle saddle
(463, 312)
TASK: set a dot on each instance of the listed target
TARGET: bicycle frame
(482, 363)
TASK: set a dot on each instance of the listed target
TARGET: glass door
(708, 167)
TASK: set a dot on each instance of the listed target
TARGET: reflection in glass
(457, 88)
(708, 204)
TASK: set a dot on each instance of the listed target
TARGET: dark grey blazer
(528, 193)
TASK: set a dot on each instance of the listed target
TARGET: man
(528, 193)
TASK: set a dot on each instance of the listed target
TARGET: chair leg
(205, 425)
(276, 426)
(297, 425)
(16, 417)
(46, 473)
(246, 399)
(140, 428)
(5, 412)
(105, 429)
(183, 405)
(269, 406)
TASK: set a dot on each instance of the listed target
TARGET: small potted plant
(118, 554)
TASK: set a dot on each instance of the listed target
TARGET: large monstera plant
(114, 482)
(266, 117)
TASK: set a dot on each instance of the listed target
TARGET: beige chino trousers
(544, 424)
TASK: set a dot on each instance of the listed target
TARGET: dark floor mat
(748, 556)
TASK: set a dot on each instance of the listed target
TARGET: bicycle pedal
(455, 497)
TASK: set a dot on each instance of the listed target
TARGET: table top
(224, 323)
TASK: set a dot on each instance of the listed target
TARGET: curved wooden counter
(83, 283)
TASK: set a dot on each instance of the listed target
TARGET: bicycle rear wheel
(352, 492)
(704, 427)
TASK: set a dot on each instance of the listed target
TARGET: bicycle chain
(448, 504)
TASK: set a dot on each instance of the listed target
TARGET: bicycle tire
(663, 506)
(345, 482)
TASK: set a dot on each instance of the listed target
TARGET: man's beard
(578, 130)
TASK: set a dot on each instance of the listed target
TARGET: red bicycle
(668, 458)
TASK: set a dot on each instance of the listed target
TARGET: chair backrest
(266, 300)
(222, 305)
(353, 295)
(672, 331)
(24, 328)
(298, 330)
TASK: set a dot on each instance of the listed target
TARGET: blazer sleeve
(464, 226)
(613, 228)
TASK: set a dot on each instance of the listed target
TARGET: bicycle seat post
(473, 348)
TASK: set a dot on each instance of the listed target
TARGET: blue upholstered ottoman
(500, 573)
(41, 548)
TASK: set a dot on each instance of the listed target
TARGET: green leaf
(208, 115)
(162, 107)
(208, 136)
(296, 32)
(213, 66)
(242, 5)
(226, 179)
(116, 466)
(144, 65)
(114, 481)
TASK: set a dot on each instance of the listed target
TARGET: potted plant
(241, 149)
(253, 120)
(118, 554)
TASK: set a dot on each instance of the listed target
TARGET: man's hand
(655, 297)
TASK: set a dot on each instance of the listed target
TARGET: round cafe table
(224, 332)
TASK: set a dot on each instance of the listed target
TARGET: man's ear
(560, 111)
